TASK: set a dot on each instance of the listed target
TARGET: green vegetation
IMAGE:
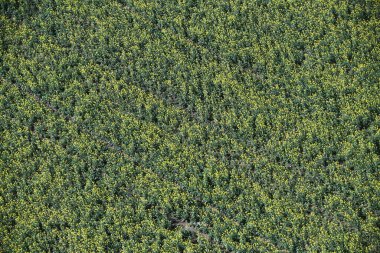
(189, 126)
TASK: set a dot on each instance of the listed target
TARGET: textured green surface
(189, 126)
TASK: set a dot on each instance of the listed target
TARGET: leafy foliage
(190, 126)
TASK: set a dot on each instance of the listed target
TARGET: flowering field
(189, 126)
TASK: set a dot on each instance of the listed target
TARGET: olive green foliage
(189, 126)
